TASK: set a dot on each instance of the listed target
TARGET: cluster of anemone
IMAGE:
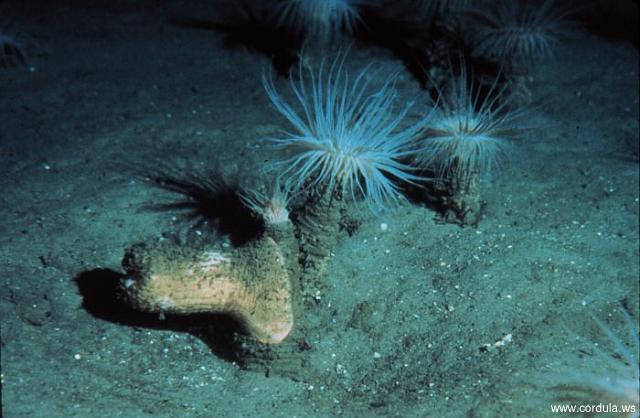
(516, 33)
(346, 138)
(470, 127)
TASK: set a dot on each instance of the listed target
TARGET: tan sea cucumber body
(250, 283)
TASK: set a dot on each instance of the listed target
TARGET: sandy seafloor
(119, 91)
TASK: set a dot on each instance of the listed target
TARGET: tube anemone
(321, 20)
(520, 33)
(345, 136)
(469, 128)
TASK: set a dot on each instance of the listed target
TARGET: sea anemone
(517, 32)
(469, 128)
(345, 139)
(271, 202)
(609, 374)
(320, 20)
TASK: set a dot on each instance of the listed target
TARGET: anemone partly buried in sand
(464, 142)
(346, 143)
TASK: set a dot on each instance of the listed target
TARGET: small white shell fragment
(384, 226)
